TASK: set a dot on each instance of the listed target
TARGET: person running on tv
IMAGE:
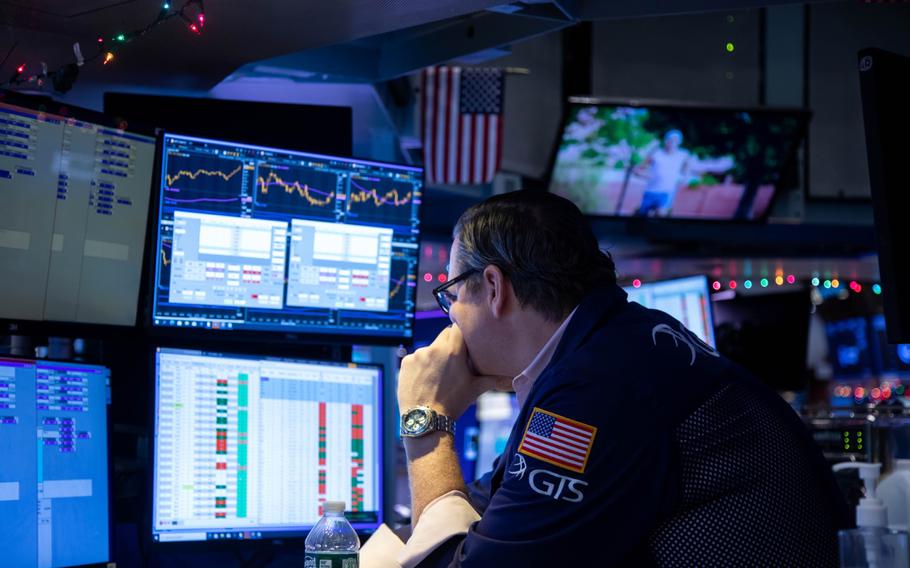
(665, 168)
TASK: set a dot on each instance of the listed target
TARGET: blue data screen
(54, 481)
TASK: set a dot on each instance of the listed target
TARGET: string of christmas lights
(192, 12)
(816, 282)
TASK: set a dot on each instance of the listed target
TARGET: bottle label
(316, 560)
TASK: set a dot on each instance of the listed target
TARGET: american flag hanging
(461, 109)
(558, 440)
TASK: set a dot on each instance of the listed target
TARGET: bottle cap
(333, 506)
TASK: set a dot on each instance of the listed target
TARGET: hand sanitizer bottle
(872, 544)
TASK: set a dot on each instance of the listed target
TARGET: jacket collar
(594, 309)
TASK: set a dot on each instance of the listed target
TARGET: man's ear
(497, 290)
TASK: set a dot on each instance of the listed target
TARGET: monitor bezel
(45, 327)
(246, 335)
(294, 540)
(802, 113)
(109, 424)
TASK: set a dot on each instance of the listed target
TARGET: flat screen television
(628, 159)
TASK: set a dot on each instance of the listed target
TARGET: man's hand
(440, 376)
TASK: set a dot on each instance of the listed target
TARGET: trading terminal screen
(254, 238)
(54, 474)
(686, 299)
(250, 447)
(72, 225)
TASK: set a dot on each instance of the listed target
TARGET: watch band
(445, 424)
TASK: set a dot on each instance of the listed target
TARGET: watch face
(416, 421)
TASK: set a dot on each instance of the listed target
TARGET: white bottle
(872, 544)
(894, 491)
(332, 543)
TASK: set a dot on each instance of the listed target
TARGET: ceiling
(237, 32)
(366, 40)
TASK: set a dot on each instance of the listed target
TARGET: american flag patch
(558, 440)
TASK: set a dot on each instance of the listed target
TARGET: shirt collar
(523, 382)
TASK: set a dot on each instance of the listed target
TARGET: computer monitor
(686, 299)
(54, 504)
(74, 216)
(891, 359)
(629, 158)
(850, 348)
(249, 447)
(250, 238)
(496, 413)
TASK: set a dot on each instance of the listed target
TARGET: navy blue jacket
(675, 472)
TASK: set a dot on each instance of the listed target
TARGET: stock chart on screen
(249, 447)
(255, 238)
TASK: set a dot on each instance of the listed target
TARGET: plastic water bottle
(332, 543)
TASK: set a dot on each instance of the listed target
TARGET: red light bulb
(733, 284)
(636, 283)
(20, 69)
(441, 278)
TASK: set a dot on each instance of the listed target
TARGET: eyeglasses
(445, 298)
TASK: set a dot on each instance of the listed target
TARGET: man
(636, 443)
(666, 167)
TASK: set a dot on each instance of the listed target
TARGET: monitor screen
(54, 506)
(673, 161)
(849, 348)
(496, 413)
(686, 299)
(891, 358)
(250, 447)
(257, 239)
(73, 223)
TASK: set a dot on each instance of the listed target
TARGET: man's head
(534, 258)
(672, 140)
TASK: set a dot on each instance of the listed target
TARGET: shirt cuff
(381, 549)
(446, 516)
